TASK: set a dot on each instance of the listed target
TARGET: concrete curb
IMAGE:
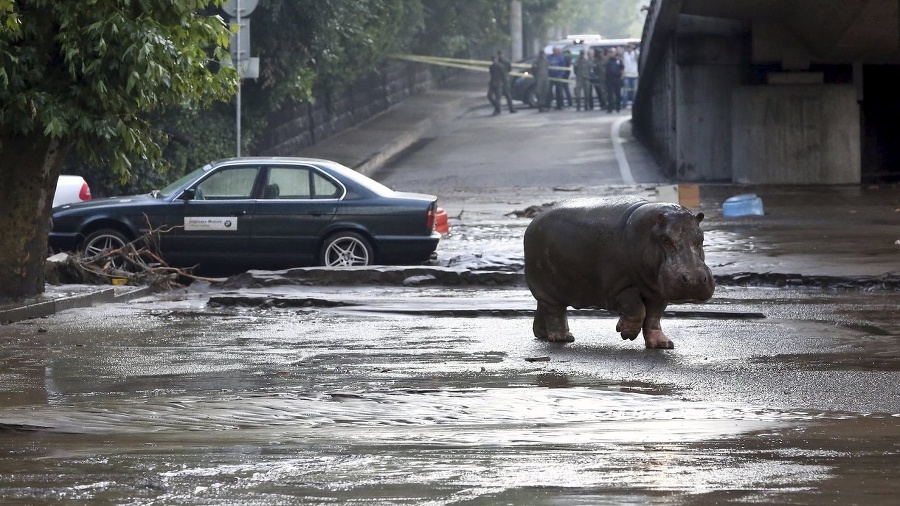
(55, 300)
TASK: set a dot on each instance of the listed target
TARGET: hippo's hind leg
(631, 308)
(653, 334)
(551, 324)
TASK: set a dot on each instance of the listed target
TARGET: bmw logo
(227, 223)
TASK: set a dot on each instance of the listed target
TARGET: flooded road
(344, 395)
(422, 394)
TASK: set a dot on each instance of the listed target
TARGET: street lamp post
(245, 65)
(240, 71)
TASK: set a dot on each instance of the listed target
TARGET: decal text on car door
(210, 223)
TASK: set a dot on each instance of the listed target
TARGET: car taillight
(85, 193)
(429, 221)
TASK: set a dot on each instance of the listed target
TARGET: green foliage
(93, 73)
(538, 16)
(614, 19)
(463, 28)
(309, 45)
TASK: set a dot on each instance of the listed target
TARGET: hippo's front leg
(653, 334)
(550, 323)
(631, 310)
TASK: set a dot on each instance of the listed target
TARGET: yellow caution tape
(476, 65)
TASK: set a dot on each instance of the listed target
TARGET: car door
(214, 226)
(296, 203)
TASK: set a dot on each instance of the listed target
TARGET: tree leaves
(79, 64)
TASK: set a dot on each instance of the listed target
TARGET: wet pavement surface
(385, 395)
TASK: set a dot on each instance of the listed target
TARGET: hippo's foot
(560, 337)
(656, 339)
(628, 329)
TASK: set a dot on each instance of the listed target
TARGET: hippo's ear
(661, 219)
(699, 217)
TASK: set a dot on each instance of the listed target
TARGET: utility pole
(240, 71)
(515, 29)
(240, 53)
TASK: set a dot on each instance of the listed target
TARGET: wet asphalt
(427, 386)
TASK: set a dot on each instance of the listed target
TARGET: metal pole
(237, 66)
(515, 28)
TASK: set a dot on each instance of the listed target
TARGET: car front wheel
(531, 97)
(346, 249)
(101, 241)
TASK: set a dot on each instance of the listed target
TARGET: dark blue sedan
(260, 213)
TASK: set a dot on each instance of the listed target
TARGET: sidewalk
(368, 146)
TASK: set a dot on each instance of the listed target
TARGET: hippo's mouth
(691, 290)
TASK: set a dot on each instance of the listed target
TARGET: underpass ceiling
(831, 30)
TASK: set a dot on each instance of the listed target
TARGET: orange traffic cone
(440, 222)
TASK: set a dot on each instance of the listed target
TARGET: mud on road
(396, 395)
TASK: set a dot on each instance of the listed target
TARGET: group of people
(609, 73)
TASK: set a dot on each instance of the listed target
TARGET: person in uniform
(498, 85)
(599, 77)
(541, 72)
(614, 70)
(583, 82)
(507, 68)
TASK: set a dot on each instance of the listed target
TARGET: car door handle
(239, 213)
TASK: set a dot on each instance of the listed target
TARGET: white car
(70, 189)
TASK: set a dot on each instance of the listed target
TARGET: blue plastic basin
(747, 204)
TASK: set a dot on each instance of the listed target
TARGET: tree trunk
(29, 168)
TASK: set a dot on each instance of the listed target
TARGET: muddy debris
(531, 211)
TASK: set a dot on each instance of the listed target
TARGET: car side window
(231, 183)
(325, 188)
(287, 183)
(299, 183)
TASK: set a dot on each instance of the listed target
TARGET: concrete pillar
(515, 30)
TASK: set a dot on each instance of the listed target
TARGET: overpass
(772, 91)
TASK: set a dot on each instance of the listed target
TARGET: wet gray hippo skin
(624, 254)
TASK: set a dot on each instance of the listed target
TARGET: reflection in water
(438, 446)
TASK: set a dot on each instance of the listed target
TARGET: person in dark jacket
(507, 68)
(614, 69)
(559, 68)
(598, 77)
(542, 81)
(498, 86)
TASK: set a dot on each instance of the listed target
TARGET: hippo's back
(575, 250)
(583, 217)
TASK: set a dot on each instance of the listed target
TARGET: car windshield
(183, 180)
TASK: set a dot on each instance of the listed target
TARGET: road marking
(624, 168)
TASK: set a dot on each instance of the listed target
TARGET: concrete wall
(795, 134)
(297, 126)
(708, 68)
(654, 112)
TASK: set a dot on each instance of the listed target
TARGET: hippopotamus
(624, 254)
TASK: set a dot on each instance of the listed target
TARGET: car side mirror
(189, 194)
